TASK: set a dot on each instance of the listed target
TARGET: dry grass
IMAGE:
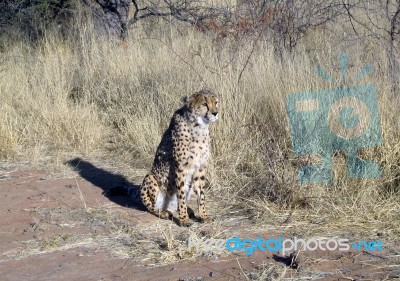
(109, 229)
(98, 97)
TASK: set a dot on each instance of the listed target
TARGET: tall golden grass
(95, 96)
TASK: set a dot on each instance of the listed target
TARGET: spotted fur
(181, 159)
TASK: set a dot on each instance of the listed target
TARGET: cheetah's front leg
(181, 190)
(199, 181)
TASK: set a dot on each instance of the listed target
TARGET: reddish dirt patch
(66, 229)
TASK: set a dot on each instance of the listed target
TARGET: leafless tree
(379, 21)
(286, 22)
(114, 14)
(33, 17)
(297, 18)
(115, 17)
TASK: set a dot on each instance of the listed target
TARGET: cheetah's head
(203, 105)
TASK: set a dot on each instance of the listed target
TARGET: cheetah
(181, 160)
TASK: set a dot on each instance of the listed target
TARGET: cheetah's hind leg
(152, 197)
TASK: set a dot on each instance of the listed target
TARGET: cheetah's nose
(215, 113)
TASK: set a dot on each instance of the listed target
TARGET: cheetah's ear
(185, 99)
(188, 100)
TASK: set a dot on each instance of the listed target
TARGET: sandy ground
(70, 228)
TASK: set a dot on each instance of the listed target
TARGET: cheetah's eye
(205, 104)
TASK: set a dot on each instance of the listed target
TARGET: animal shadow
(115, 186)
